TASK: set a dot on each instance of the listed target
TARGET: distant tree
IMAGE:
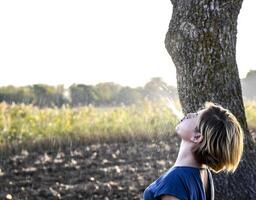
(106, 93)
(11, 94)
(48, 96)
(41, 95)
(156, 89)
(248, 85)
(128, 96)
(59, 98)
(82, 95)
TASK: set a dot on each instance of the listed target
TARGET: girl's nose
(190, 115)
(182, 118)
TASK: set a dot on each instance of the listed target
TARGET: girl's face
(187, 128)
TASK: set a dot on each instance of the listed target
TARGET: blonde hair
(222, 145)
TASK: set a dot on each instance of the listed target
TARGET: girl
(211, 139)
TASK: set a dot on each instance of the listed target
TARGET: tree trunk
(202, 43)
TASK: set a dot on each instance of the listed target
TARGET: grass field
(25, 122)
(20, 123)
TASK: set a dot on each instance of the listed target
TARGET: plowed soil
(79, 170)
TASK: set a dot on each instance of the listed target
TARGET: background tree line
(102, 94)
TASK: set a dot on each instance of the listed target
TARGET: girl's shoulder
(172, 182)
(180, 171)
(178, 181)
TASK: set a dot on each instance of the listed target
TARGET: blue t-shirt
(183, 182)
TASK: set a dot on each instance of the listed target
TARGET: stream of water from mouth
(173, 108)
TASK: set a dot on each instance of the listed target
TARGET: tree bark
(201, 41)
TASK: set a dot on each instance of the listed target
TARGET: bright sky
(82, 41)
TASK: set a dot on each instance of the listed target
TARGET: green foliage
(128, 96)
(11, 94)
(106, 92)
(250, 108)
(23, 122)
(38, 94)
(251, 74)
(49, 96)
(82, 95)
(248, 85)
(156, 89)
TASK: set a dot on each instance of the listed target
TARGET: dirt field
(113, 170)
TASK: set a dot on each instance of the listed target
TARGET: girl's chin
(177, 128)
(177, 131)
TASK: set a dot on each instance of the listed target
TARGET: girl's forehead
(201, 111)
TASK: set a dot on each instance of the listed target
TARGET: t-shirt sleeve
(172, 185)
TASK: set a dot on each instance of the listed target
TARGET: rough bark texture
(202, 43)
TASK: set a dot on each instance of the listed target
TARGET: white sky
(91, 41)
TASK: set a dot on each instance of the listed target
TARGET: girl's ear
(197, 137)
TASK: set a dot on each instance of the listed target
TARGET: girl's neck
(186, 157)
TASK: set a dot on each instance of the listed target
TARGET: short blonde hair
(222, 144)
